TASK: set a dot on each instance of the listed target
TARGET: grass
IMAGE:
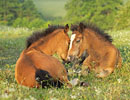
(114, 87)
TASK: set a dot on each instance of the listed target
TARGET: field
(51, 8)
(114, 87)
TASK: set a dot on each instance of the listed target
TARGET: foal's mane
(94, 28)
(39, 34)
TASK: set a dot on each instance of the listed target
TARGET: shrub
(24, 22)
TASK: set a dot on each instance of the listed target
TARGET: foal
(103, 55)
(36, 67)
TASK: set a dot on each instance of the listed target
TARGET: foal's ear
(66, 29)
(81, 27)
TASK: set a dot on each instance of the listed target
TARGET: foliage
(101, 12)
(24, 22)
(122, 19)
(114, 87)
(11, 10)
(23, 13)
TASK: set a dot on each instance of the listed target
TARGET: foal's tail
(119, 60)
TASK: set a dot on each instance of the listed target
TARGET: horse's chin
(66, 62)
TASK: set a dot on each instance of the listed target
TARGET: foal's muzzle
(70, 58)
(65, 62)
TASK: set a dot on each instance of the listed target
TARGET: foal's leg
(86, 65)
(104, 72)
(64, 79)
(107, 64)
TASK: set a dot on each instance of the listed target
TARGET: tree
(101, 12)
(10, 10)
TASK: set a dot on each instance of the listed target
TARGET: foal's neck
(48, 44)
(94, 41)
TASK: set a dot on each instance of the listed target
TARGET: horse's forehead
(72, 37)
(71, 40)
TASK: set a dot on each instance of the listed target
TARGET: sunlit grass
(114, 87)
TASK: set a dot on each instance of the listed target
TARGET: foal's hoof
(102, 74)
(69, 86)
(75, 82)
(84, 84)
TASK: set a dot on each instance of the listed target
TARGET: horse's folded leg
(65, 81)
(104, 73)
(67, 84)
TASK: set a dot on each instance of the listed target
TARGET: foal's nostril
(70, 58)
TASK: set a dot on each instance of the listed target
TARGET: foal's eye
(77, 41)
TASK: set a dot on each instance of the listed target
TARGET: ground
(114, 87)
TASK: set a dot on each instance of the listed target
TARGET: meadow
(114, 87)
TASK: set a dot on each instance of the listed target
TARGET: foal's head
(76, 42)
(63, 42)
(52, 40)
(85, 37)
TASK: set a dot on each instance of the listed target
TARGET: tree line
(20, 13)
(107, 14)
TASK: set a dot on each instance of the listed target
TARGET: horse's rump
(34, 66)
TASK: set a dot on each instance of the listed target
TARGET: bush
(24, 22)
(100, 12)
(36, 23)
(21, 22)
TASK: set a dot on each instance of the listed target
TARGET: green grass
(114, 87)
(51, 8)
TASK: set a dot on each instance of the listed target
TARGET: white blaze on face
(71, 40)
